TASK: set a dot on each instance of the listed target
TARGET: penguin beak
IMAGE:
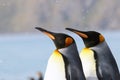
(80, 33)
(48, 33)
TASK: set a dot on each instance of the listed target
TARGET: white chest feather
(55, 67)
(88, 62)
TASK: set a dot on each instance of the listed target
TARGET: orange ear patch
(101, 38)
(50, 35)
(82, 35)
(68, 41)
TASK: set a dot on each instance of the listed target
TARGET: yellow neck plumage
(88, 62)
(55, 67)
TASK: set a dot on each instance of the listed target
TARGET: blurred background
(25, 51)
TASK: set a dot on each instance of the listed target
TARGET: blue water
(21, 56)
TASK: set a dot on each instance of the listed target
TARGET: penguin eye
(101, 38)
(68, 41)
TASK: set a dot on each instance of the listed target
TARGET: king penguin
(105, 64)
(64, 63)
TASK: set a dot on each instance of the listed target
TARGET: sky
(23, 15)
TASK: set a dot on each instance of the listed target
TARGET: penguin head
(60, 40)
(90, 38)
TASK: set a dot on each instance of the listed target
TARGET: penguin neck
(69, 51)
(101, 48)
(73, 65)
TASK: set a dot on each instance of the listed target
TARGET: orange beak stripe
(50, 35)
(81, 34)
